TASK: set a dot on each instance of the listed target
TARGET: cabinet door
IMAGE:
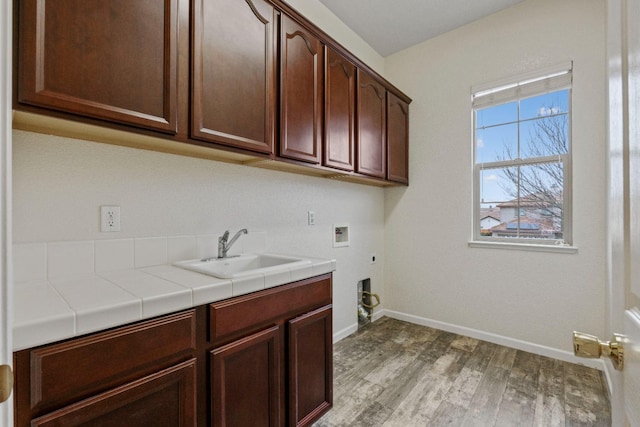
(99, 362)
(167, 398)
(245, 378)
(397, 139)
(108, 59)
(372, 118)
(301, 83)
(339, 111)
(234, 75)
(310, 366)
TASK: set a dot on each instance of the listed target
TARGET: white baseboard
(496, 339)
(342, 334)
(608, 375)
(378, 315)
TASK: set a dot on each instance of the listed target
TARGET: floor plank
(393, 373)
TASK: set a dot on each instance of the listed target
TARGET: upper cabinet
(115, 60)
(245, 81)
(234, 73)
(397, 139)
(301, 83)
(339, 111)
(371, 138)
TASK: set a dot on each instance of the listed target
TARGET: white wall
(430, 271)
(320, 15)
(60, 183)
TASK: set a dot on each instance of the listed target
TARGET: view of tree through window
(521, 162)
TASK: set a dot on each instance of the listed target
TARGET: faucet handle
(225, 236)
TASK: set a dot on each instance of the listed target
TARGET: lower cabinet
(272, 361)
(166, 398)
(262, 359)
(132, 375)
(310, 366)
(245, 381)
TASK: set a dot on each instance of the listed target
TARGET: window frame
(553, 79)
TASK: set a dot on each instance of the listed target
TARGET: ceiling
(390, 26)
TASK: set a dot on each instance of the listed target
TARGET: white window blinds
(549, 80)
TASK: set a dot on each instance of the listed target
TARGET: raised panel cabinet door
(310, 366)
(339, 111)
(121, 354)
(108, 59)
(245, 381)
(234, 73)
(397, 139)
(371, 116)
(301, 86)
(166, 398)
(57, 375)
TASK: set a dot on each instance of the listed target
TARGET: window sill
(524, 247)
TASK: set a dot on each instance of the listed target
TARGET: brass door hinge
(585, 345)
(6, 382)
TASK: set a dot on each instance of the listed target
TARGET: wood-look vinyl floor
(394, 373)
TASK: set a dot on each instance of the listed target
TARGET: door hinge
(6, 382)
(585, 345)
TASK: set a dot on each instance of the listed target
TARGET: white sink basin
(243, 265)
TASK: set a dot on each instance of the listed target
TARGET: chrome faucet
(223, 246)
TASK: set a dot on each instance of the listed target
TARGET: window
(522, 159)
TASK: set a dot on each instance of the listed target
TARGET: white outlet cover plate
(109, 218)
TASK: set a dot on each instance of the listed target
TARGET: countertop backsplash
(67, 289)
(74, 259)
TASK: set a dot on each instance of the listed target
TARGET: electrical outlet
(109, 218)
(311, 217)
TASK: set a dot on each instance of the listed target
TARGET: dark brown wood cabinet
(261, 359)
(310, 366)
(252, 334)
(110, 376)
(166, 398)
(397, 139)
(234, 89)
(371, 119)
(98, 58)
(245, 81)
(339, 111)
(246, 381)
(301, 87)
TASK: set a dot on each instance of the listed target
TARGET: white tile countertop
(63, 306)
